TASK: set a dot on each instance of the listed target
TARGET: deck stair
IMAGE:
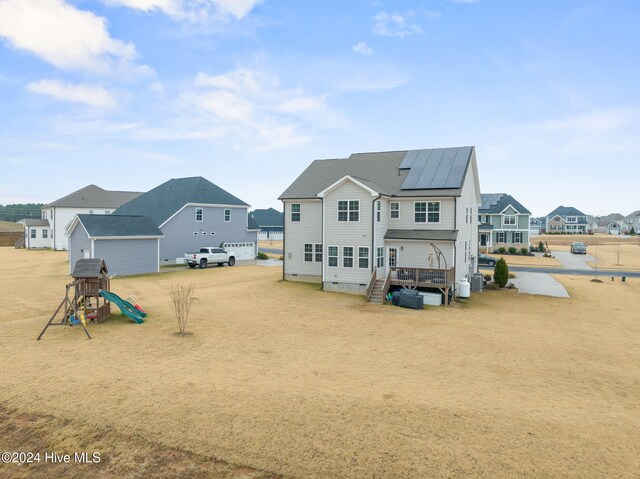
(377, 293)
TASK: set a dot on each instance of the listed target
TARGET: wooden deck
(422, 277)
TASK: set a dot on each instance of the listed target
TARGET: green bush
(502, 250)
(632, 231)
(513, 250)
(524, 251)
(541, 247)
(501, 273)
(262, 255)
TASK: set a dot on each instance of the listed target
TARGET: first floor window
(45, 233)
(295, 212)
(332, 256)
(227, 216)
(501, 237)
(395, 210)
(199, 214)
(347, 256)
(363, 257)
(380, 257)
(517, 237)
(318, 253)
(308, 252)
(33, 233)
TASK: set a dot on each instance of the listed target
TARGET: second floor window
(199, 214)
(349, 210)
(378, 207)
(427, 212)
(395, 210)
(295, 212)
(509, 220)
(227, 216)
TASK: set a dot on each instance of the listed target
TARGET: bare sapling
(181, 300)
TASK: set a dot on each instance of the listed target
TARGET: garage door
(242, 250)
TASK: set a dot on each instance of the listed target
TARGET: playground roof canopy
(89, 268)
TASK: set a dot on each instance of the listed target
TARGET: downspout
(455, 244)
(374, 219)
(323, 245)
(284, 237)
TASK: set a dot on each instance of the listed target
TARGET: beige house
(365, 223)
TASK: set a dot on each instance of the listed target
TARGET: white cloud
(64, 36)
(157, 87)
(191, 10)
(362, 48)
(252, 106)
(95, 96)
(395, 25)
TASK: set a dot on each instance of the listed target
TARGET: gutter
(284, 237)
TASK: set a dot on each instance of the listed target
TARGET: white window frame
(378, 211)
(368, 257)
(308, 255)
(34, 233)
(506, 222)
(415, 212)
(295, 215)
(346, 256)
(317, 252)
(349, 211)
(336, 256)
(380, 257)
(504, 237)
(519, 235)
(439, 212)
(199, 212)
(396, 210)
(227, 215)
(572, 219)
(45, 233)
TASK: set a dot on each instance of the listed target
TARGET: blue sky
(129, 93)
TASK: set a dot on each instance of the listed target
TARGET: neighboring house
(567, 220)
(37, 233)
(612, 224)
(270, 222)
(89, 200)
(128, 244)
(633, 221)
(373, 220)
(504, 222)
(536, 226)
(192, 213)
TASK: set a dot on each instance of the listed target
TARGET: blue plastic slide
(127, 308)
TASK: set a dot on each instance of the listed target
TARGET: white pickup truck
(210, 255)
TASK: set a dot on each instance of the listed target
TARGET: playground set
(88, 298)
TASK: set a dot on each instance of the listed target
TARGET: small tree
(501, 273)
(632, 232)
(541, 247)
(181, 299)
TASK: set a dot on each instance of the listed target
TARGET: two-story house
(612, 224)
(633, 222)
(567, 220)
(88, 200)
(504, 222)
(374, 220)
(271, 223)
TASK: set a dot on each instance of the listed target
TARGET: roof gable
(93, 196)
(497, 203)
(104, 226)
(268, 217)
(164, 201)
(89, 268)
(566, 211)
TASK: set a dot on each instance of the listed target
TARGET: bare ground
(283, 377)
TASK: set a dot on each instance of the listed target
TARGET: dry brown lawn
(270, 244)
(285, 378)
(9, 226)
(514, 260)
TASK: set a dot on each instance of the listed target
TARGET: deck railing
(372, 282)
(422, 277)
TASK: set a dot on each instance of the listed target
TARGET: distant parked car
(487, 260)
(578, 248)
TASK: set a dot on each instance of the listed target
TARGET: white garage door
(242, 250)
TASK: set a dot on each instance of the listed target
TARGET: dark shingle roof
(252, 224)
(30, 222)
(566, 211)
(162, 202)
(425, 235)
(495, 203)
(268, 217)
(379, 171)
(605, 220)
(93, 196)
(119, 225)
(89, 268)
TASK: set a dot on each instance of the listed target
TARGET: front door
(392, 253)
(483, 239)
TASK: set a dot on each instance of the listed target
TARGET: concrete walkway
(540, 284)
(573, 261)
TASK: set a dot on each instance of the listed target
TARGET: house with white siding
(632, 221)
(371, 221)
(88, 200)
(504, 222)
(37, 233)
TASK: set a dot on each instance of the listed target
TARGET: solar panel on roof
(437, 168)
(409, 158)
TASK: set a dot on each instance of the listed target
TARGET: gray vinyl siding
(380, 230)
(179, 238)
(78, 242)
(355, 234)
(297, 233)
(406, 220)
(128, 256)
(415, 254)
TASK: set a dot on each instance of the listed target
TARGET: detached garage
(128, 244)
